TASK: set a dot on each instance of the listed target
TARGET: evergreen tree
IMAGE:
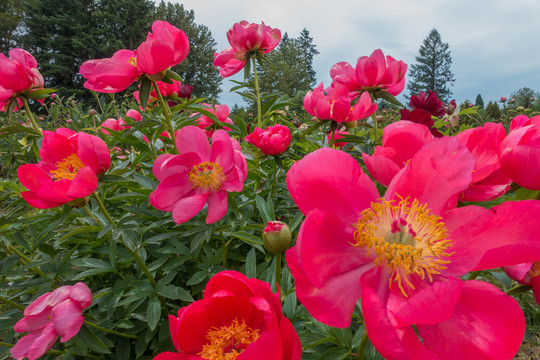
(197, 69)
(524, 97)
(492, 112)
(479, 101)
(11, 16)
(433, 69)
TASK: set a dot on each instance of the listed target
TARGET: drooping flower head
(372, 73)
(68, 169)
(334, 103)
(57, 313)
(201, 174)
(403, 255)
(246, 40)
(18, 75)
(208, 125)
(273, 141)
(238, 318)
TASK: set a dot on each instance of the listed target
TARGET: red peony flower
(201, 174)
(246, 39)
(421, 116)
(57, 313)
(68, 169)
(371, 73)
(208, 125)
(403, 255)
(430, 103)
(273, 141)
(238, 318)
(336, 104)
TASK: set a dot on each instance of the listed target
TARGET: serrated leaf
(153, 312)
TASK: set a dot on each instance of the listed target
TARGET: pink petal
(170, 191)
(84, 184)
(217, 206)
(81, 293)
(406, 138)
(186, 208)
(67, 319)
(32, 176)
(222, 151)
(292, 348)
(93, 152)
(42, 343)
(267, 347)
(193, 139)
(34, 200)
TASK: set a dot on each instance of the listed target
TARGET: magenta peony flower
(527, 274)
(208, 125)
(403, 255)
(503, 99)
(273, 141)
(337, 135)
(246, 39)
(238, 318)
(57, 313)
(201, 174)
(68, 169)
(336, 104)
(371, 73)
(520, 152)
(114, 124)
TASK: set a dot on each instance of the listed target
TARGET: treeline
(62, 34)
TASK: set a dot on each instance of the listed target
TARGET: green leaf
(389, 97)
(175, 293)
(153, 312)
(144, 92)
(248, 238)
(41, 93)
(266, 209)
(92, 341)
(251, 264)
(197, 278)
(16, 129)
(173, 75)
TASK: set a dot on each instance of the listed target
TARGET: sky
(494, 44)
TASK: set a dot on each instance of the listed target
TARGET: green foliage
(479, 101)
(525, 97)
(492, 112)
(433, 69)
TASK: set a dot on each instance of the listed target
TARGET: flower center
(132, 61)
(406, 238)
(207, 176)
(535, 269)
(68, 168)
(227, 342)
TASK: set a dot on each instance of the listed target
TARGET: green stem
(275, 170)
(518, 289)
(257, 95)
(375, 129)
(224, 247)
(473, 275)
(362, 346)
(32, 120)
(317, 343)
(131, 251)
(27, 260)
(95, 326)
(278, 270)
(11, 303)
(97, 98)
(166, 112)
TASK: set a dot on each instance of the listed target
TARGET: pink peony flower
(113, 74)
(403, 255)
(527, 274)
(246, 39)
(18, 75)
(336, 104)
(371, 73)
(68, 169)
(176, 89)
(520, 152)
(273, 141)
(208, 125)
(57, 313)
(114, 124)
(134, 114)
(167, 46)
(337, 135)
(503, 99)
(238, 318)
(201, 174)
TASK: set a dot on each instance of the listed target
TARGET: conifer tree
(433, 69)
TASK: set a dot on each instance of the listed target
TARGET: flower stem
(97, 99)
(95, 326)
(362, 346)
(11, 303)
(275, 170)
(375, 130)
(278, 271)
(126, 246)
(257, 95)
(32, 120)
(166, 112)
(27, 260)
(224, 249)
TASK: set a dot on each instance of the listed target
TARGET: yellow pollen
(406, 238)
(227, 342)
(132, 61)
(207, 176)
(535, 269)
(67, 168)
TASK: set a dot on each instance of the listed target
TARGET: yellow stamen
(207, 176)
(535, 269)
(406, 238)
(68, 168)
(132, 61)
(227, 342)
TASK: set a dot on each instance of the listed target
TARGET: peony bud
(503, 99)
(92, 112)
(276, 237)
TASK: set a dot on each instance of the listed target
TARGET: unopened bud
(79, 202)
(92, 112)
(276, 237)
(351, 124)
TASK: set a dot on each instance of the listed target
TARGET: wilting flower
(371, 73)
(246, 40)
(520, 152)
(334, 103)
(68, 169)
(18, 75)
(488, 179)
(201, 174)
(404, 254)
(113, 74)
(527, 274)
(335, 135)
(238, 318)
(57, 313)
(208, 125)
(165, 46)
(430, 103)
(272, 141)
